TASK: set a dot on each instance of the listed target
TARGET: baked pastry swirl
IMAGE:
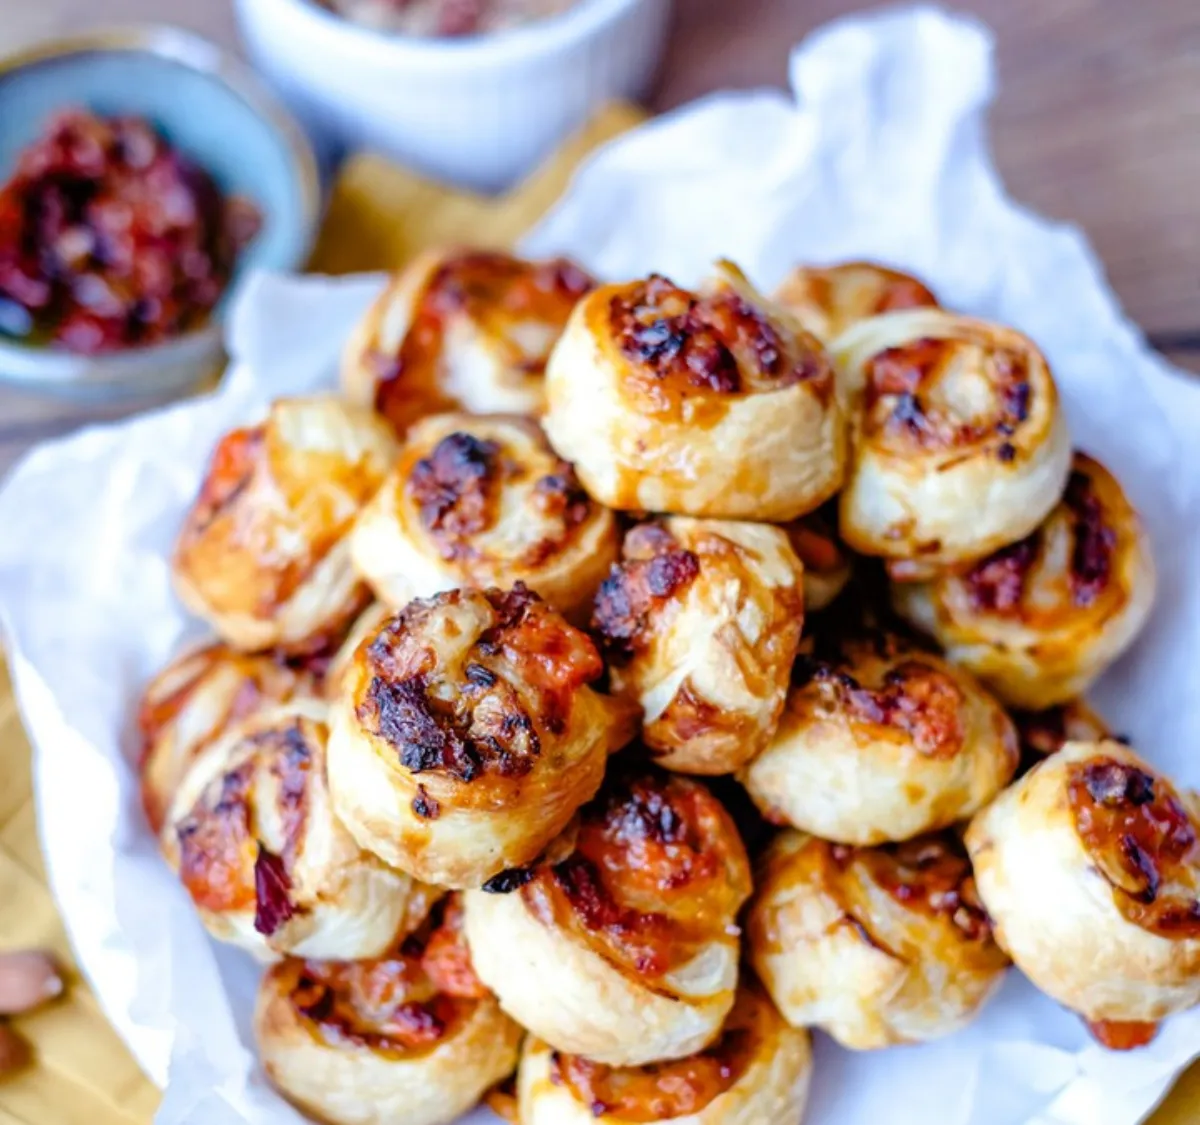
(827, 564)
(410, 1037)
(263, 555)
(1042, 733)
(876, 946)
(1042, 618)
(467, 736)
(879, 741)
(483, 501)
(827, 300)
(626, 951)
(959, 445)
(703, 404)
(461, 330)
(1090, 867)
(756, 1072)
(700, 622)
(255, 843)
(192, 702)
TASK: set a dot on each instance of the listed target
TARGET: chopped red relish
(110, 238)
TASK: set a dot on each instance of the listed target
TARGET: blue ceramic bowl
(209, 107)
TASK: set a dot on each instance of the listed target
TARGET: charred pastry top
(1001, 583)
(931, 875)
(658, 871)
(490, 288)
(458, 490)
(654, 569)
(878, 681)
(684, 346)
(1142, 840)
(222, 862)
(484, 711)
(910, 405)
(669, 1090)
(225, 686)
(401, 1005)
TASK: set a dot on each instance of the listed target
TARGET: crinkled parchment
(879, 153)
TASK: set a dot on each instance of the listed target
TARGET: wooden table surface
(1097, 122)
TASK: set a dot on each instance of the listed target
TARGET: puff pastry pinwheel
(959, 445)
(713, 403)
(255, 843)
(827, 564)
(756, 1072)
(700, 623)
(625, 952)
(828, 300)
(1090, 868)
(880, 741)
(263, 555)
(193, 701)
(483, 501)
(876, 946)
(466, 736)
(338, 665)
(1041, 619)
(411, 1037)
(1042, 733)
(461, 330)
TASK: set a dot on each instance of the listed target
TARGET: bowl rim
(552, 34)
(57, 367)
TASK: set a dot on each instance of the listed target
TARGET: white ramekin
(480, 111)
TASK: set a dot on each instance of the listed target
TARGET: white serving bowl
(478, 111)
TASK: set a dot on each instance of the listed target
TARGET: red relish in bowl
(110, 238)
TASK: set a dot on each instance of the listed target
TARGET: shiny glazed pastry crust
(626, 951)
(1042, 618)
(757, 1072)
(254, 841)
(483, 501)
(958, 441)
(466, 735)
(880, 741)
(876, 946)
(699, 623)
(263, 555)
(711, 404)
(461, 330)
(412, 1037)
(192, 702)
(828, 300)
(1090, 867)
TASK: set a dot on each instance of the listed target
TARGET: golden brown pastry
(255, 842)
(756, 1072)
(880, 741)
(466, 736)
(827, 564)
(263, 555)
(626, 951)
(959, 445)
(700, 623)
(461, 330)
(876, 946)
(1042, 733)
(712, 403)
(411, 1037)
(1040, 620)
(192, 702)
(828, 300)
(1090, 868)
(483, 501)
(367, 624)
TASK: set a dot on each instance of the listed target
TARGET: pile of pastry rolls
(615, 682)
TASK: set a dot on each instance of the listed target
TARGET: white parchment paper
(878, 153)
